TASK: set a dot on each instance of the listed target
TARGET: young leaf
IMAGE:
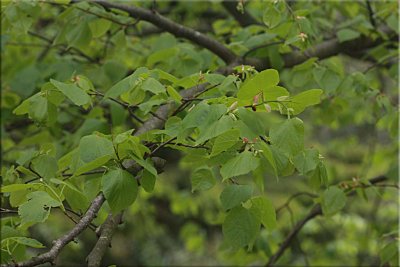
(126, 84)
(305, 99)
(258, 83)
(73, 92)
(319, 177)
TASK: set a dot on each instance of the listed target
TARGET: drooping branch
(174, 28)
(244, 19)
(61, 242)
(315, 211)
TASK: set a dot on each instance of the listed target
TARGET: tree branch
(60, 243)
(244, 19)
(315, 211)
(107, 230)
(174, 28)
(333, 47)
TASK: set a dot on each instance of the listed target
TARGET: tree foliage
(190, 120)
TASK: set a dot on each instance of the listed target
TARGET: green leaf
(264, 210)
(27, 242)
(148, 181)
(147, 164)
(258, 83)
(202, 179)
(154, 86)
(197, 116)
(225, 141)
(75, 197)
(126, 84)
(272, 16)
(240, 227)
(37, 208)
(306, 161)
(288, 136)
(15, 187)
(319, 177)
(243, 163)
(84, 83)
(73, 92)
(45, 165)
(234, 195)
(283, 164)
(38, 108)
(79, 36)
(162, 75)
(120, 189)
(305, 99)
(23, 108)
(389, 252)
(333, 200)
(253, 122)
(272, 93)
(161, 55)
(347, 35)
(100, 161)
(268, 155)
(99, 27)
(215, 129)
(94, 146)
(174, 94)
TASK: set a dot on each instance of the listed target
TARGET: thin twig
(61, 242)
(315, 211)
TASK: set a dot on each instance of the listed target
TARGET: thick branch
(172, 27)
(333, 47)
(60, 243)
(244, 19)
(104, 241)
(315, 211)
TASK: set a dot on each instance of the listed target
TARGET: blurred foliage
(55, 53)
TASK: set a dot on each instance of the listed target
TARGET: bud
(302, 36)
(233, 106)
(245, 140)
(233, 116)
(267, 107)
(190, 109)
(255, 99)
